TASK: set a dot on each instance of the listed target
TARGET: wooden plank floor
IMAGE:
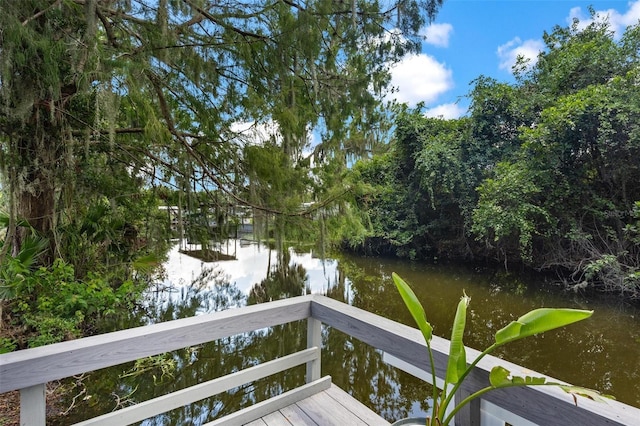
(327, 408)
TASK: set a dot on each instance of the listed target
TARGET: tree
(152, 91)
(576, 167)
(418, 196)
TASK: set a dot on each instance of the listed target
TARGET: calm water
(602, 352)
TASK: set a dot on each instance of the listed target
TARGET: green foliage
(535, 322)
(7, 345)
(102, 99)
(50, 329)
(509, 206)
(543, 172)
(55, 306)
(457, 364)
(539, 321)
(101, 103)
(418, 196)
(16, 269)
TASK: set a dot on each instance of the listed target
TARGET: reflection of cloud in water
(250, 266)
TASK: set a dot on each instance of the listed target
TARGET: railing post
(469, 415)
(314, 339)
(33, 406)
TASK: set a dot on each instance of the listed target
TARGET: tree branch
(206, 168)
(42, 12)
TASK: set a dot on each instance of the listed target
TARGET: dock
(327, 405)
(318, 401)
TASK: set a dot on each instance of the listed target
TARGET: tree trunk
(37, 170)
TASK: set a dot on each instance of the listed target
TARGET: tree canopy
(103, 97)
(543, 172)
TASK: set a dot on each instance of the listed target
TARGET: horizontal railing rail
(29, 370)
(546, 405)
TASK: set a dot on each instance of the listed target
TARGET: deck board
(275, 419)
(296, 416)
(355, 406)
(327, 408)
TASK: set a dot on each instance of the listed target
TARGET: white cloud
(509, 52)
(619, 21)
(437, 34)
(446, 111)
(420, 78)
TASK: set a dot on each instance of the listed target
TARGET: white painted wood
(324, 411)
(22, 369)
(189, 395)
(33, 406)
(274, 419)
(492, 415)
(363, 412)
(263, 408)
(259, 422)
(314, 339)
(487, 419)
(296, 416)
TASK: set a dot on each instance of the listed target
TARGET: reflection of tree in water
(225, 356)
(283, 280)
(354, 366)
(127, 384)
(210, 291)
(357, 367)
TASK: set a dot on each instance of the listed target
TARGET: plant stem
(464, 375)
(482, 392)
(434, 394)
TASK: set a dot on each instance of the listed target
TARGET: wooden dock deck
(317, 402)
(329, 407)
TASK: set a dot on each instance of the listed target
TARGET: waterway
(602, 352)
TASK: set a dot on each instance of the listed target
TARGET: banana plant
(535, 322)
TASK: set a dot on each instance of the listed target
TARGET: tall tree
(151, 90)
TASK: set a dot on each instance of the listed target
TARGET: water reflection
(284, 279)
(601, 352)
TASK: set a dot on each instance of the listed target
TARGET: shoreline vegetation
(542, 173)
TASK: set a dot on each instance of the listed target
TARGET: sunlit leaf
(540, 321)
(415, 307)
(499, 376)
(457, 356)
(593, 395)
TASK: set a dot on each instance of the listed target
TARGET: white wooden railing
(29, 370)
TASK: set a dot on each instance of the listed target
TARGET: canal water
(602, 352)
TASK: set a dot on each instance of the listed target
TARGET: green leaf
(540, 321)
(457, 364)
(415, 307)
(499, 376)
(587, 393)
(532, 380)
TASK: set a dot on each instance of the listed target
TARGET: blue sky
(470, 38)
